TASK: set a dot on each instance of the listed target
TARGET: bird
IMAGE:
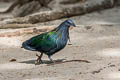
(50, 42)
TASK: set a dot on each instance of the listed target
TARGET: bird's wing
(44, 42)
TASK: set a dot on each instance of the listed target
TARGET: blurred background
(48, 10)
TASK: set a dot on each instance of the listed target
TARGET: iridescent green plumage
(50, 42)
(44, 42)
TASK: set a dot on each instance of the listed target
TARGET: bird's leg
(69, 38)
(39, 59)
(51, 59)
(69, 41)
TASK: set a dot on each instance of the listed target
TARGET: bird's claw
(36, 62)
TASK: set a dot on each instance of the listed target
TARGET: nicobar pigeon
(50, 42)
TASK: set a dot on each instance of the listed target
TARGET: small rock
(80, 72)
(97, 71)
(118, 69)
(88, 27)
(112, 65)
(12, 60)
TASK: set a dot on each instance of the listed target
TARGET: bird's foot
(52, 62)
(38, 61)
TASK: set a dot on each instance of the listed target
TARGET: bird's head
(69, 23)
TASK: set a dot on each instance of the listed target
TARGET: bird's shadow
(44, 61)
(58, 61)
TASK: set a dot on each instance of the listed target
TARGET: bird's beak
(74, 25)
(71, 27)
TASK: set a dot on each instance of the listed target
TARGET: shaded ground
(98, 44)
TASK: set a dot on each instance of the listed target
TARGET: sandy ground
(98, 44)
